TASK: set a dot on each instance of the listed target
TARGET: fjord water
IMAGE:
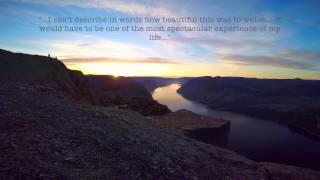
(258, 139)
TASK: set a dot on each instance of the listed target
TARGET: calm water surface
(257, 139)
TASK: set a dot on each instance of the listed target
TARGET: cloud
(83, 46)
(302, 55)
(129, 7)
(18, 11)
(149, 60)
(288, 58)
(241, 51)
(230, 43)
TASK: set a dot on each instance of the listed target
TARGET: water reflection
(257, 139)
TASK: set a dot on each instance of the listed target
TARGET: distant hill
(295, 102)
(152, 83)
(121, 85)
(124, 93)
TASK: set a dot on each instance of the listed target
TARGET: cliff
(41, 70)
(184, 120)
(196, 126)
(295, 102)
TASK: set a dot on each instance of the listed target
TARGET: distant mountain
(124, 93)
(152, 83)
(121, 85)
(295, 102)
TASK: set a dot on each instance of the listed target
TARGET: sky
(293, 52)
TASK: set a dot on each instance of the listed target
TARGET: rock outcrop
(202, 128)
(184, 120)
(41, 70)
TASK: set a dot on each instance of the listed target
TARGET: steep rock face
(40, 70)
(295, 102)
(202, 128)
(184, 120)
(125, 94)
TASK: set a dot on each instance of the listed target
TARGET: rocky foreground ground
(46, 135)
